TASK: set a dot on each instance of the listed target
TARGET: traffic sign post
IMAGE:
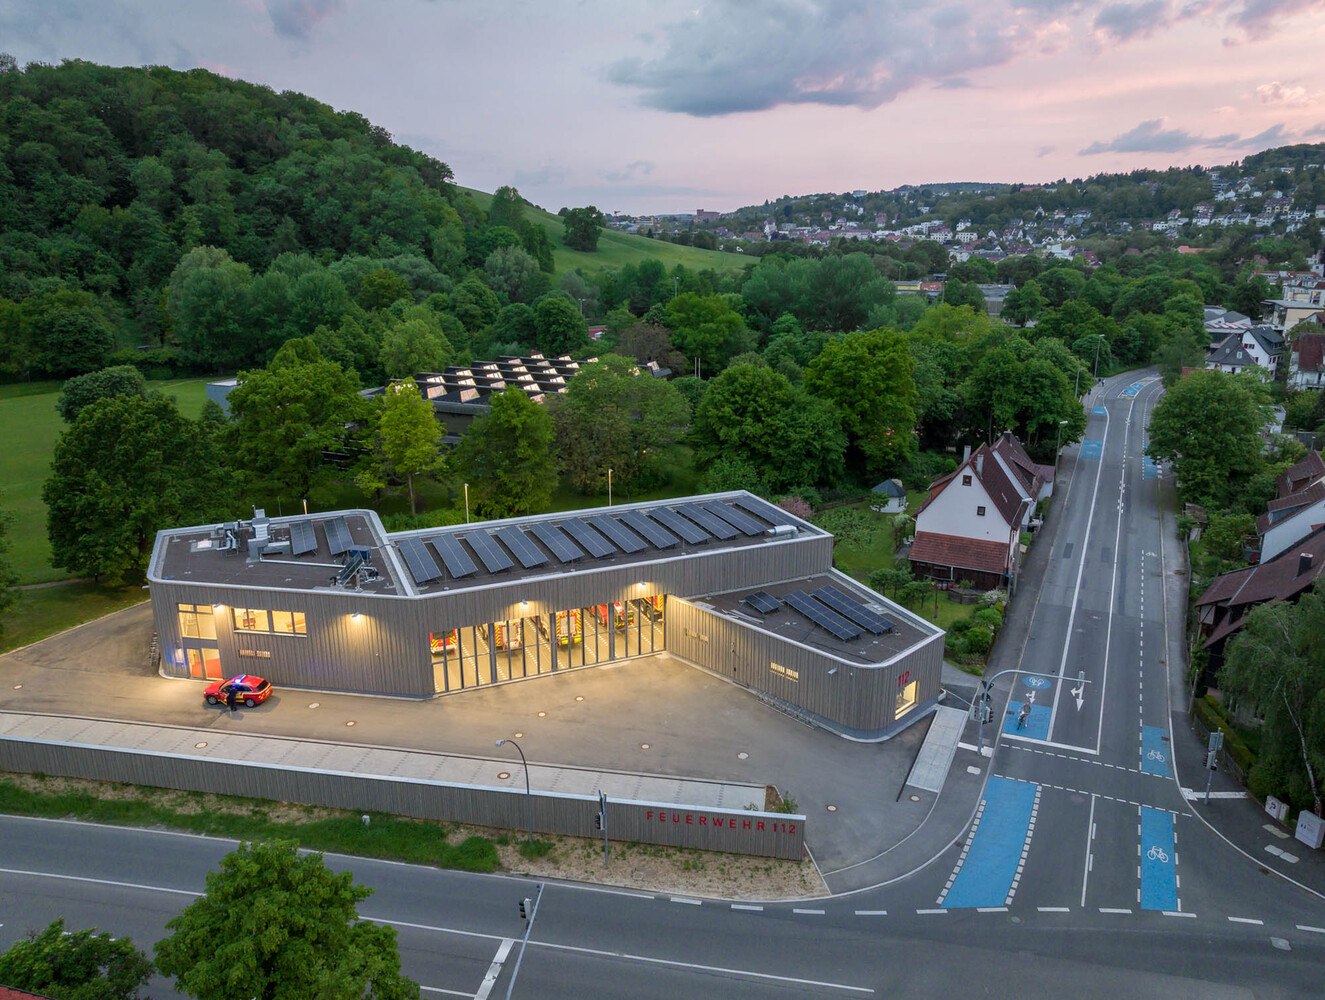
(1211, 761)
(600, 821)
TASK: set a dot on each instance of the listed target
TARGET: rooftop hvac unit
(782, 531)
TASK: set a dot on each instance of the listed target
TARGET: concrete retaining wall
(772, 835)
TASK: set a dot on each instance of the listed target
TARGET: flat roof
(788, 623)
(201, 554)
(598, 538)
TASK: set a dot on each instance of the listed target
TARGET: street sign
(1216, 741)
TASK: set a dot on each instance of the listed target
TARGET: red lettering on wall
(904, 679)
(689, 819)
(760, 826)
(649, 815)
(745, 824)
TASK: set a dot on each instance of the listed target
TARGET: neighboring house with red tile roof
(9, 993)
(1222, 610)
(1306, 367)
(969, 527)
(1297, 510)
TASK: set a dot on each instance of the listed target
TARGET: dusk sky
(669, 106)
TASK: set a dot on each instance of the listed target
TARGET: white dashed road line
(688, 902)
(817, 913)
(1178, 913)
(1113, 909)
(1246, 920)
(1311, 930)
(747, 906)
(871, 913)
(1054, 909)
(927, 912)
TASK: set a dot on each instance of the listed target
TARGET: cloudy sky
(667, 105)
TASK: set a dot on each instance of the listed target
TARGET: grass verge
(390, 838)
(43, 611)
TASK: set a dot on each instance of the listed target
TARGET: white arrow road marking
(1079, 692)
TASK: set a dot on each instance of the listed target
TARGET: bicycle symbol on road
(1155, 755)
(1158, 854)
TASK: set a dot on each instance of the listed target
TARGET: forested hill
(186, 220)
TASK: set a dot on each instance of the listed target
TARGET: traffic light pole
(528, 910)
(601, 822)
(980, 709)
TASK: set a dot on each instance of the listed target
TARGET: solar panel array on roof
(494, 559)
(762, 602)
(457, 560)
(562, 547)
(656, 535)
(853, 610)
(338, 535)
(741, 522)
(769, 512)
(521, 547)
(715, 526)
(620, 536)
(421, 564)
(303, 539)
(828, 620)
(670, 518)
(587, 538)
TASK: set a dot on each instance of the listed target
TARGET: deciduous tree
(582, 227)
(507, 457)
(75, 965)
(406, 441)
(280, 925)
(83, 390)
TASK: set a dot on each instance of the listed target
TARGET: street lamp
(1058, 438)
(529, 797)
(1099, 340)
(609, 487)
(466, 503)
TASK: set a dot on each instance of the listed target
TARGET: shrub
(979, 641)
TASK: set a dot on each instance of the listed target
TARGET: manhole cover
(644, 746)
(519, 736)
(742, 756)
(351, 723)
(200, 746)
(915, 798)
(831, 808)
(315, 704)
(503, 775)
(579, 697)
(542, 715)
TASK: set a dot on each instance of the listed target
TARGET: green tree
(708, 328)
(406, 440)
(1208, 425)
(508, 458)
(75, 965)
(414, 345)
(728, 472)
(756, 415)
(382, 287)
(514, 273)
(615, 416)
(870, 378)
(582, 228)
(280, 925)
(206, 299)
(83, 390)
(285, 416)
(127, 467)
(506, 208)
(66, 332)
(558, 326)
(1024, 304)
(1276, 667)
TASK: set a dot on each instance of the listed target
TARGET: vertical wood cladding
(858, 697)
(772, 835)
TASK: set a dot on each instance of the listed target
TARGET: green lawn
(43, 611)
(30, 427)
(616, 249)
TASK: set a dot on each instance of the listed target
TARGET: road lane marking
(925, 913)
(1054, 909)
(991, 909)
(1154, 753)
(1090, 837)
(453, 993)
(797, 909)
(748, 973)
(989, 869)
(747, 906)
(494, 970)
(688, 902)
(100, 881)
(1311, 930)
(871, 913)
(1049, 743)
(1113, 909)
(1159, 861)
(1246, 920)
(1078, 760)
(1178, 913)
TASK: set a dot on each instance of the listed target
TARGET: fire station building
(727, 582)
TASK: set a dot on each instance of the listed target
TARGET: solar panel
(715, 526)
(303, 539)
(620, 536)
(853, 611)
(656, 535)
(588, 539)
(338, 535)
(671, 519)
(521, 547)
(457, 560)
(828, 620)
(494, 559)
(763, 602)
(741, 522)
(421, 564)
(562, 547)
(767, 511)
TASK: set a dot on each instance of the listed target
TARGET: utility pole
(528, 911)
(600, 822)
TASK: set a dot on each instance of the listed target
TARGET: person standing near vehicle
(232, 699)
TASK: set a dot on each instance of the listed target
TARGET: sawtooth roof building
(728, 582)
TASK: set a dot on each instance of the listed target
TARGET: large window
(196, 621)
(261, 620)
(906, 698)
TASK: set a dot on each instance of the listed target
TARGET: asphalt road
(1085, 872)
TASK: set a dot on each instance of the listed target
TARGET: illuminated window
(196, 621)
(251, 620)
(262, 620)
(906, 699)
(289, 622)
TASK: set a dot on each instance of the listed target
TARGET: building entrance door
(205, 663)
